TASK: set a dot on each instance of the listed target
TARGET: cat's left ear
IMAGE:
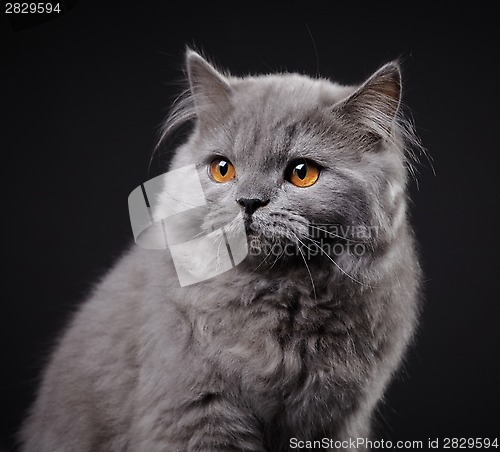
(210, 89)
(375, 104)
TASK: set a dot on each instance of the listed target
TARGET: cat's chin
(270, 250)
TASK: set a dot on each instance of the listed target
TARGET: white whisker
(337, 265)
(305, 263)
(277, 258)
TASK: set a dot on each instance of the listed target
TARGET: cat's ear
(375, 104)
(210, 89)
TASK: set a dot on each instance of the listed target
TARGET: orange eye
(303, 173)
(222, 170)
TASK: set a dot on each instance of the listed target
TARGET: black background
(83, 96)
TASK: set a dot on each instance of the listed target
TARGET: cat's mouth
(267, 233)
(273, 230)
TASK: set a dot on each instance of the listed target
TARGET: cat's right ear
(375, 104)
(210, 89)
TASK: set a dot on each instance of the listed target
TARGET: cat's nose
(252, 204)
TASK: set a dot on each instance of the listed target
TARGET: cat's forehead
(275, 115)
(287, 95)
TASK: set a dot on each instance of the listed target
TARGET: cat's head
(291, 154)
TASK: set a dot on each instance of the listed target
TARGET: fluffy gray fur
(278, 347)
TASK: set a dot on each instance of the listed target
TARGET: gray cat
(298, 341)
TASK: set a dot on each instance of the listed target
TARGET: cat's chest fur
(278, 347)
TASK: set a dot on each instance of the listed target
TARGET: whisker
(221, 240)
(277, 258)
(338, 266)
(308, 271)
(305, 263)
(315, 241)
(261, 263)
